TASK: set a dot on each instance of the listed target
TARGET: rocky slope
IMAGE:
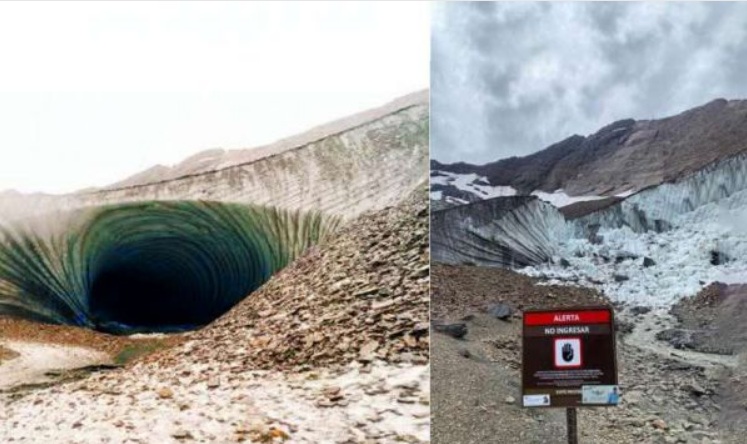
(362, 296)
(713, 321)
(356, 164)
(624, 156)
(332, 349)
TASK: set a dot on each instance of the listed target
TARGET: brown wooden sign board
(569, 358)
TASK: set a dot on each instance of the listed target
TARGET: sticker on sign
(536, 400)
(600, 394)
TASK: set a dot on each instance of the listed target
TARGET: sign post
(569, 360)
(571, 425)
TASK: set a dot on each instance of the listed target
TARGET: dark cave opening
(170, 282)
(136, 298)
(151, 266)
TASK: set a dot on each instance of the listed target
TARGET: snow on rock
(35, 360)
(559, 198)
(472, 183)
(479, 187)
(625, 194)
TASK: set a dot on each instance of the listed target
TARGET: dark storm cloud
(512, 78)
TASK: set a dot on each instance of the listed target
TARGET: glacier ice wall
(506, 232)
(663, 243)
(660, 207)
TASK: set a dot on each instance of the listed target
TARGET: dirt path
(35, 360)
(643, 336)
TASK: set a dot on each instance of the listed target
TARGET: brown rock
(165, 393)
(182, 435)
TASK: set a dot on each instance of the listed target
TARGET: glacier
(652, 248)
(505, 232)
(669, 202)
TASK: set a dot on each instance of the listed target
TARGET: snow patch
(625, 194)
(559, 198)
(479, 186)
(472, 183)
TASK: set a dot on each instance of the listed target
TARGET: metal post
(572, 425)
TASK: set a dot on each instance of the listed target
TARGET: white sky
(91, 93)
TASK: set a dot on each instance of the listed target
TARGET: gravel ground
(476, 379)
(26, 331)
(383, 402)
(32, 361)
(7, 354)
(716, 320)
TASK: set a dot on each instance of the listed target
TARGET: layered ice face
(150, 266)
(505, 232)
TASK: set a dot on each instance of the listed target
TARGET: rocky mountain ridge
(625, 156)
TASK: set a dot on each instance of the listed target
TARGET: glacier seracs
(680, 227)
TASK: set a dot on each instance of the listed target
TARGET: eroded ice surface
(704, 239)
(506, 232)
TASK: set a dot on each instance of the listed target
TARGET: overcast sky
(512, 78)
(93, 92)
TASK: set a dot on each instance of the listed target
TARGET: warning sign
(569, 358)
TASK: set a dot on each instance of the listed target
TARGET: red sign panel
(569, 358)
(567, 317)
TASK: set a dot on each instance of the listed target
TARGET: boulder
(455, 330)
(500, 311)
